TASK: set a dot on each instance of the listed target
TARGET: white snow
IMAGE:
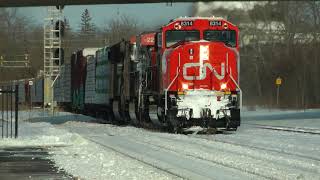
(268, 154)
(100, 151)
(309, 118)
(75, 154)
(40, 134)
(91, 161)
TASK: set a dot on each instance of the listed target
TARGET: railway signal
(53, 52)
(59, 56)
(59, 28)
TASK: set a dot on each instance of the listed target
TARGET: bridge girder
(24, 3)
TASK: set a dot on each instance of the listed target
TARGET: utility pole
(30, 84)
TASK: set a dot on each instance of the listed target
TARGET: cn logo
(202, 71)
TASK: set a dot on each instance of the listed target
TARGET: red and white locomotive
(187, 74)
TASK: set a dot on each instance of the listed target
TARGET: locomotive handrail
(166, 91)
(235, 82)
(227, 62)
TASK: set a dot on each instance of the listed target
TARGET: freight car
(62, 88)
(183, 75)
(79, 71)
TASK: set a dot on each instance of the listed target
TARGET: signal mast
(52, 51)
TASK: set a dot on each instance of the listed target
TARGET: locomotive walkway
(28, 163)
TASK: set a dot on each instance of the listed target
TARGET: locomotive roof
(199, 17)
(184, 18)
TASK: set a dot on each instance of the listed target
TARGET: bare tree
(278, 38)
(14, 35)
(119, 28)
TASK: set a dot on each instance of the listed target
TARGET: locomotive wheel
(173, 123)
(133, 113)
(211, 131)
(116, 111)
(153, 115)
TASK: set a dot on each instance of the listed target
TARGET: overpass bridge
(21, 3)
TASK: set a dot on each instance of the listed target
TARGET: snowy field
(90, 150)
(309, 118)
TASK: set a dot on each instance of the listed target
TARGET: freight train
(185, 74)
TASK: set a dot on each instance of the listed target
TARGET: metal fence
(9, 104)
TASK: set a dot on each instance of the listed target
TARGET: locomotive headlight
(225, 26)
(223, 86)
(191, 51)
(185, 86)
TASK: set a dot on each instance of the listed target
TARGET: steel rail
(200, 158)
(287, 129)
(132, 157)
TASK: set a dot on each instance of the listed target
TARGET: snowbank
(40, 134)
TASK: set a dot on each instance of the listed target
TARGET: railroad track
(206, 160)
(260, 148)
(110, 147)
(158, 164)
(211, 138)
(276, 154)
(169, 145)
(287, 129)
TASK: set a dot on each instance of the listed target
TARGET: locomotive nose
(205, 65)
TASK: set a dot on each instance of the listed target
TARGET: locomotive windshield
(226, 36)
(173, 37)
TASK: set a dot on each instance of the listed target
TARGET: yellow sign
(278, 81)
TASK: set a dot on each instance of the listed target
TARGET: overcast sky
(147, 15)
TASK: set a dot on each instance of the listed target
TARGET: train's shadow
(61, 119)
(215, 132)
(64, 117)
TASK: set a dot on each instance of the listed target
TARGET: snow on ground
(162, 152)
(75, 154)
(40, 134)
(91, 161)
(275, 156)
(102, 151)
(309, 118)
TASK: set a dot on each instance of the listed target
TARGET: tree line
(278, 39)
(19, 35)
